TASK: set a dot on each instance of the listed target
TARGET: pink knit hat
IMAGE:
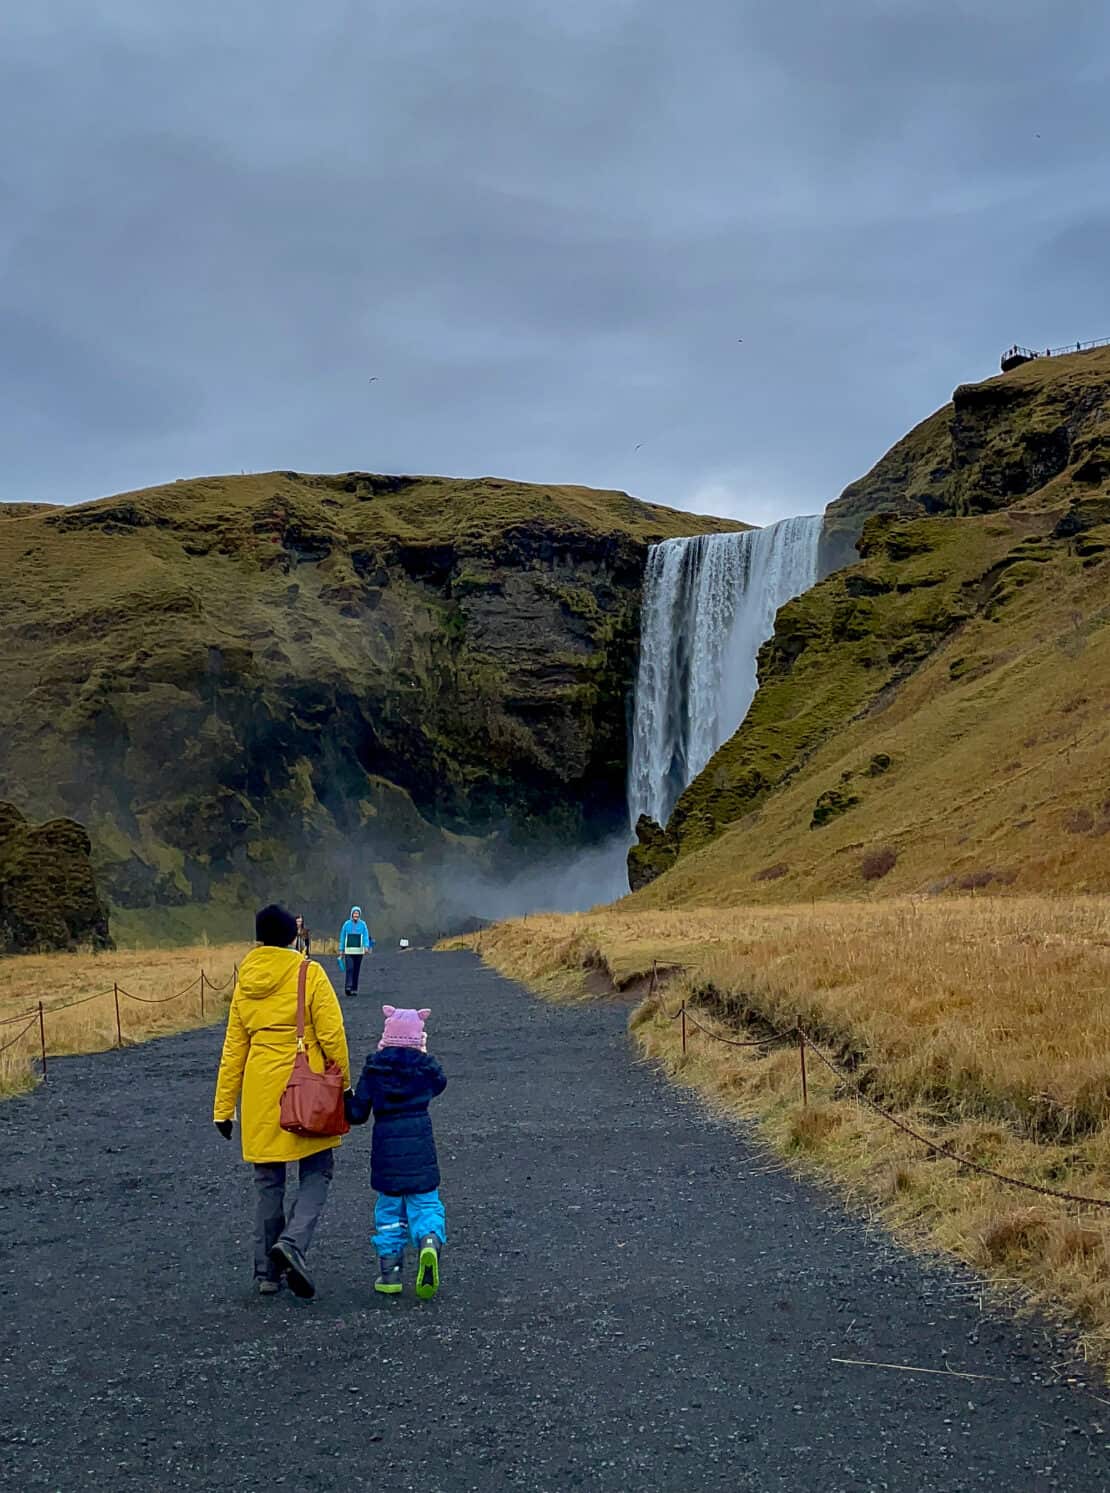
(404, 1028)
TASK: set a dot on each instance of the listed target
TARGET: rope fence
(943, 1150)
(732, 1041)
(37, 1014)
(63, 1006)
(18, 1035)
(797, 1034)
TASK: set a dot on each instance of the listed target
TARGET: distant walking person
(257, 1060)
(354, 942)
(398, 1083)
(303, 942)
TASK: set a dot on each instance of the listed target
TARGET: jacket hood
(388, 1060)
(398, 1068)
(354, 909)
(263, 970)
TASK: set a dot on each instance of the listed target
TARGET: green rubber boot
(427, 1271)
(389, 1281)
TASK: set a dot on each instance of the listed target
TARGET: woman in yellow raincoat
(257, 1059)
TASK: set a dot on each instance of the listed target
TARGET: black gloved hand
(224, 1127)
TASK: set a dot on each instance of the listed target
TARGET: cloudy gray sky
(541, 227)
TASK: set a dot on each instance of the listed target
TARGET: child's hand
(224, 1127)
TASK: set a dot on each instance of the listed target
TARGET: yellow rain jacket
(261, 1043)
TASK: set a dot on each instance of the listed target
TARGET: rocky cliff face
(981, 591)
(48, 896)
(323, 688)
(995, 445)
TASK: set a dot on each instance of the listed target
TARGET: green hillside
(934, 715)
(321, 687)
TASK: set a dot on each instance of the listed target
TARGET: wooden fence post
(42, 1037)
(802, 1062)
(683, 1028)
(202, 996)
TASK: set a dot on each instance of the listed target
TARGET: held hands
(224, 1127)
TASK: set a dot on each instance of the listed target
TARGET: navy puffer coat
(397, 1085)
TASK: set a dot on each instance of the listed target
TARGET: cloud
(543, 230)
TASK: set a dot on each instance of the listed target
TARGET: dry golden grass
(982, 1021)
(152, 975)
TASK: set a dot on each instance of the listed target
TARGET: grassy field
(169, 977)
(981, 1021)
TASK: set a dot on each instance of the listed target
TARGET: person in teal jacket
(354, 942)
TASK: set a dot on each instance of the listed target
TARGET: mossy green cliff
(321, 687)
(980, 592)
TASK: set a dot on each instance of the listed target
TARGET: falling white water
(709, 603)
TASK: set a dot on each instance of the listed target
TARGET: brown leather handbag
(312, 1103)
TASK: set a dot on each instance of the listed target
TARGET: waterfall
(709, 602)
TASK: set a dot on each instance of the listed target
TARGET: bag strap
(302, 976)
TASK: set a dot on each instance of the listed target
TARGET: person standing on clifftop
(354, 942)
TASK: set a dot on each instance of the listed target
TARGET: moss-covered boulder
(48, 896)
(652, 854)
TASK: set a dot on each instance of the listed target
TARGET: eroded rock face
(48, 896)
(324, 689)
(994, 444)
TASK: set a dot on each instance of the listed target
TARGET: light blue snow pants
(407, 1220)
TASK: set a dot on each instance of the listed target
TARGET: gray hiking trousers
(271, 1224)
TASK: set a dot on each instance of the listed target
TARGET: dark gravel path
(628, 1303)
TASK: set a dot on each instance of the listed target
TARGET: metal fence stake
(683, 1028)
(802, 1061)
(119, 1028)
(42, 1038)
(202, 995)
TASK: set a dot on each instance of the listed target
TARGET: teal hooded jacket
(353, 930)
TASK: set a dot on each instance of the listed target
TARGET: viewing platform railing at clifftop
(1016, 355)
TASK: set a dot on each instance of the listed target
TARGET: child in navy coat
(398, 1083)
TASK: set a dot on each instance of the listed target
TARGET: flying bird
(373, 380)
